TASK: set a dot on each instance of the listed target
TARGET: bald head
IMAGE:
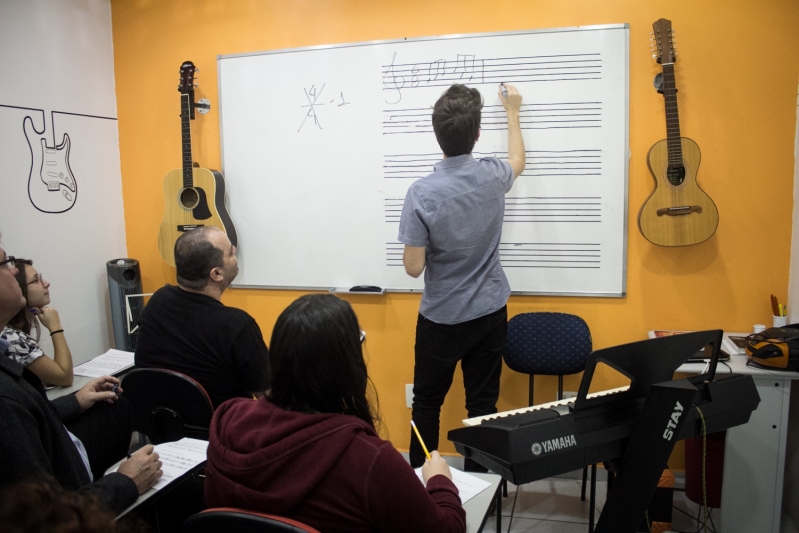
(205, 255)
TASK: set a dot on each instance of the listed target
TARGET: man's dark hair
(23, 319)
(195, 257)
(456, 119)
(44, 507)
(317, 360)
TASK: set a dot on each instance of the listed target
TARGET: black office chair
(225, 519)
(550, 344)
(166, 405)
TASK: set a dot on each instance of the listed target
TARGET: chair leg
(530, 395)
(585, 480)
(611, 477)
(505, 488)
(593, 500)
(560, 387)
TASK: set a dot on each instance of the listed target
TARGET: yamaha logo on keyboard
(552, 445)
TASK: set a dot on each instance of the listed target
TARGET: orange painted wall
(737, 76)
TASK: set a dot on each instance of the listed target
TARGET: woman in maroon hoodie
(309, 450)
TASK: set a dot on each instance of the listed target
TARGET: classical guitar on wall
(678, 212)
(193, 196)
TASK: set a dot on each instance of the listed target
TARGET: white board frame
(623, 203)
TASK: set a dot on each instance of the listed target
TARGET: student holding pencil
(309, 450)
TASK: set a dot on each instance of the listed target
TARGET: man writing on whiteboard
(451, 225)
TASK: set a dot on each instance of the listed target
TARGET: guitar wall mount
(203, 105)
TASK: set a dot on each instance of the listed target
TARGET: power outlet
(409, 395)
(569, 394)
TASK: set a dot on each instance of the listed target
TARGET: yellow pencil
(416, 430)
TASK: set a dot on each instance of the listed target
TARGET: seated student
(34, 442)
(309, 450)
(24, 348)
(189, 330)
(46, 508)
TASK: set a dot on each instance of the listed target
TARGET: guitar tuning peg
(654, 56)
(196, 85)
(196, 70)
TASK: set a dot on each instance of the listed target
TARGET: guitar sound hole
(676, 175)
(189, 198)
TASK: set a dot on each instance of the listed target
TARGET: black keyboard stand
(665, 411)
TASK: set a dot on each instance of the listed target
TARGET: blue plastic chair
(551, 344)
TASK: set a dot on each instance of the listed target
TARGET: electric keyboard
(535, 443)
(551, 405)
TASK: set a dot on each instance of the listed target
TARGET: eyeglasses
(9, 262)
(38, 278)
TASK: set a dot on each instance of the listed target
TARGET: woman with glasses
(24, 347)
(309, 450)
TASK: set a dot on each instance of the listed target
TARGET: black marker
(504, 90)
(114, 388)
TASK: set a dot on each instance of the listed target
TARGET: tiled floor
(553, 506)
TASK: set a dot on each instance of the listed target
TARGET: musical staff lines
(393, 209)
(540, 163)
(470, 69)
(394, 252)
(548, 209)
(550, 255)
(571, 255)
(538, 209)
(539, 116)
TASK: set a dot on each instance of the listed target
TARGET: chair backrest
(241, 521)
(549, 344)
(167, 405)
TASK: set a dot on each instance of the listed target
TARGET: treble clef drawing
(393, 81)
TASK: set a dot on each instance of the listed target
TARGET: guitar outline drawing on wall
(52, 187)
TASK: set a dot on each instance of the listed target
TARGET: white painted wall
(56, 59)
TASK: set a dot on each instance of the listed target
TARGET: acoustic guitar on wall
(678, 212)
(193, 196)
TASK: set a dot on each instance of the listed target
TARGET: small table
(77, 383)
(153, 494)
(477, 508)
(754, 453)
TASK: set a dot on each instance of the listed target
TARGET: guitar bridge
(188, 227)
(679, 211)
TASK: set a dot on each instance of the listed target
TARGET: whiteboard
(320, 146)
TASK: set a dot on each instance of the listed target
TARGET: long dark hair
(23, 320)
(317, 361)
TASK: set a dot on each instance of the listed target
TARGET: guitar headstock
(187, 70)
(665, 51)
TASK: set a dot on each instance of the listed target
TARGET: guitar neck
(185, 127)
(672, 117)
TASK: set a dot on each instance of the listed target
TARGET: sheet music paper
(468, 485)
(107, 364)
(178, 458)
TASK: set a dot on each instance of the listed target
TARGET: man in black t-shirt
(188, 329)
